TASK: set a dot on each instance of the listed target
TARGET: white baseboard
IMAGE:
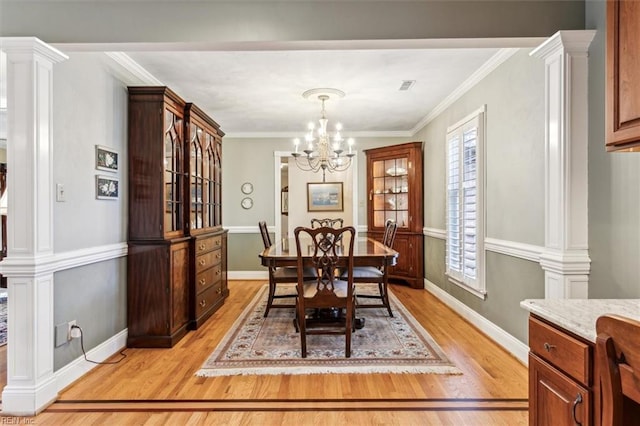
(501, 337)
(79, 367)
(248, 275)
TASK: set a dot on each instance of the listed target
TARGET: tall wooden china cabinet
(176, 269)
(394, 186)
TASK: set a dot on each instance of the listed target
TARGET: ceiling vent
(407, 84)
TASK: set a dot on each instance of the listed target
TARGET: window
(465, 203)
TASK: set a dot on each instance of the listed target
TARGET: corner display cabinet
(171, 214)
(394, 186)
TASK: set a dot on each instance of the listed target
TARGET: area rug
(261, 346)
(3, 318)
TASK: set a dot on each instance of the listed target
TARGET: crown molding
(494, 62)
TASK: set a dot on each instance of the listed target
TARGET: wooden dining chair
(618, 368)
(327, 290)
(370, 274)
(285, 275)
(331, 223)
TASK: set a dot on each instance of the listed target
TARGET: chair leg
(272, 292)
(302, 324)
(385, 298)
(347, 331)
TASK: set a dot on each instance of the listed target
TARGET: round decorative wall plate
(246, 188)
(246, 203)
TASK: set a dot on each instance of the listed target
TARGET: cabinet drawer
(207, 278)
(208, 298)
(207, 260)
(561, 350)
(204, 245)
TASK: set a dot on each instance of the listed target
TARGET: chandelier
(323, 150)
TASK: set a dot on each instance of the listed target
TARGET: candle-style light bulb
(350, 141)
(296, 142)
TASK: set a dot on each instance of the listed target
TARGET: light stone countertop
(579, 315)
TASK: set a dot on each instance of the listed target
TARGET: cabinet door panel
(554, 398)
(405, 258)
(180, 285)
(623, 75)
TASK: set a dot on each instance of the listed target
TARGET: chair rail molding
(565, 258)
(440, 234)
(31, 383)
(512, 248)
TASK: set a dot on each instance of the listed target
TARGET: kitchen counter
(579, 316)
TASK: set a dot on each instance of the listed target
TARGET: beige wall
(298, 180)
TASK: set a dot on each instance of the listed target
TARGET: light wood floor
(159, 386)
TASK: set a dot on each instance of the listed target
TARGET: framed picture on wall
(107, 188)
(106, 159)
(324, 197)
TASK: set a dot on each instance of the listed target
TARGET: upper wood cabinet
(394, 187)
(623, 75)
(156, 164)
(204, 165)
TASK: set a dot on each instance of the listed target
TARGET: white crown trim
(133, 73)
(494, 62)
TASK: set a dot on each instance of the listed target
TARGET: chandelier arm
(321, 153)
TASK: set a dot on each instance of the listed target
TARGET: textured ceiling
(260, 92)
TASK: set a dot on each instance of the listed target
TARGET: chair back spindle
(618, 368)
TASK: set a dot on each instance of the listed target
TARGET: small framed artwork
(106, 159)
(324, 197)
(107, 188)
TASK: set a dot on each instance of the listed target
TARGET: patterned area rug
(3, 318)
(259, 346)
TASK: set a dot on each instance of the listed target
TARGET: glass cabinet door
(196, 176)
(217, 182)
(390, 192)
(209, 182)
(173, 174)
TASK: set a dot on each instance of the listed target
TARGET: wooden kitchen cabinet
(560, 376)
(394, 187)
(623, 76)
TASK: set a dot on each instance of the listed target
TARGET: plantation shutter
(463, 220)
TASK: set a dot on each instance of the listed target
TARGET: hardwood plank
(493, 388)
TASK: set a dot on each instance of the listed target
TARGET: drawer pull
(202, 246)
(202, 262)
(218, 272)
(203, 303)
(202, 281)
(575, 405)
(217, 242)
(219, 255)
(218, 290)
(548, 347)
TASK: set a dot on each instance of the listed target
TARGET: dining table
(366, 252)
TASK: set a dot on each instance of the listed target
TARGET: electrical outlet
(62, 334)
(60, 194)
(71, 323)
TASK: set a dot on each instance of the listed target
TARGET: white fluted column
(565, 259)
(30, 380)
